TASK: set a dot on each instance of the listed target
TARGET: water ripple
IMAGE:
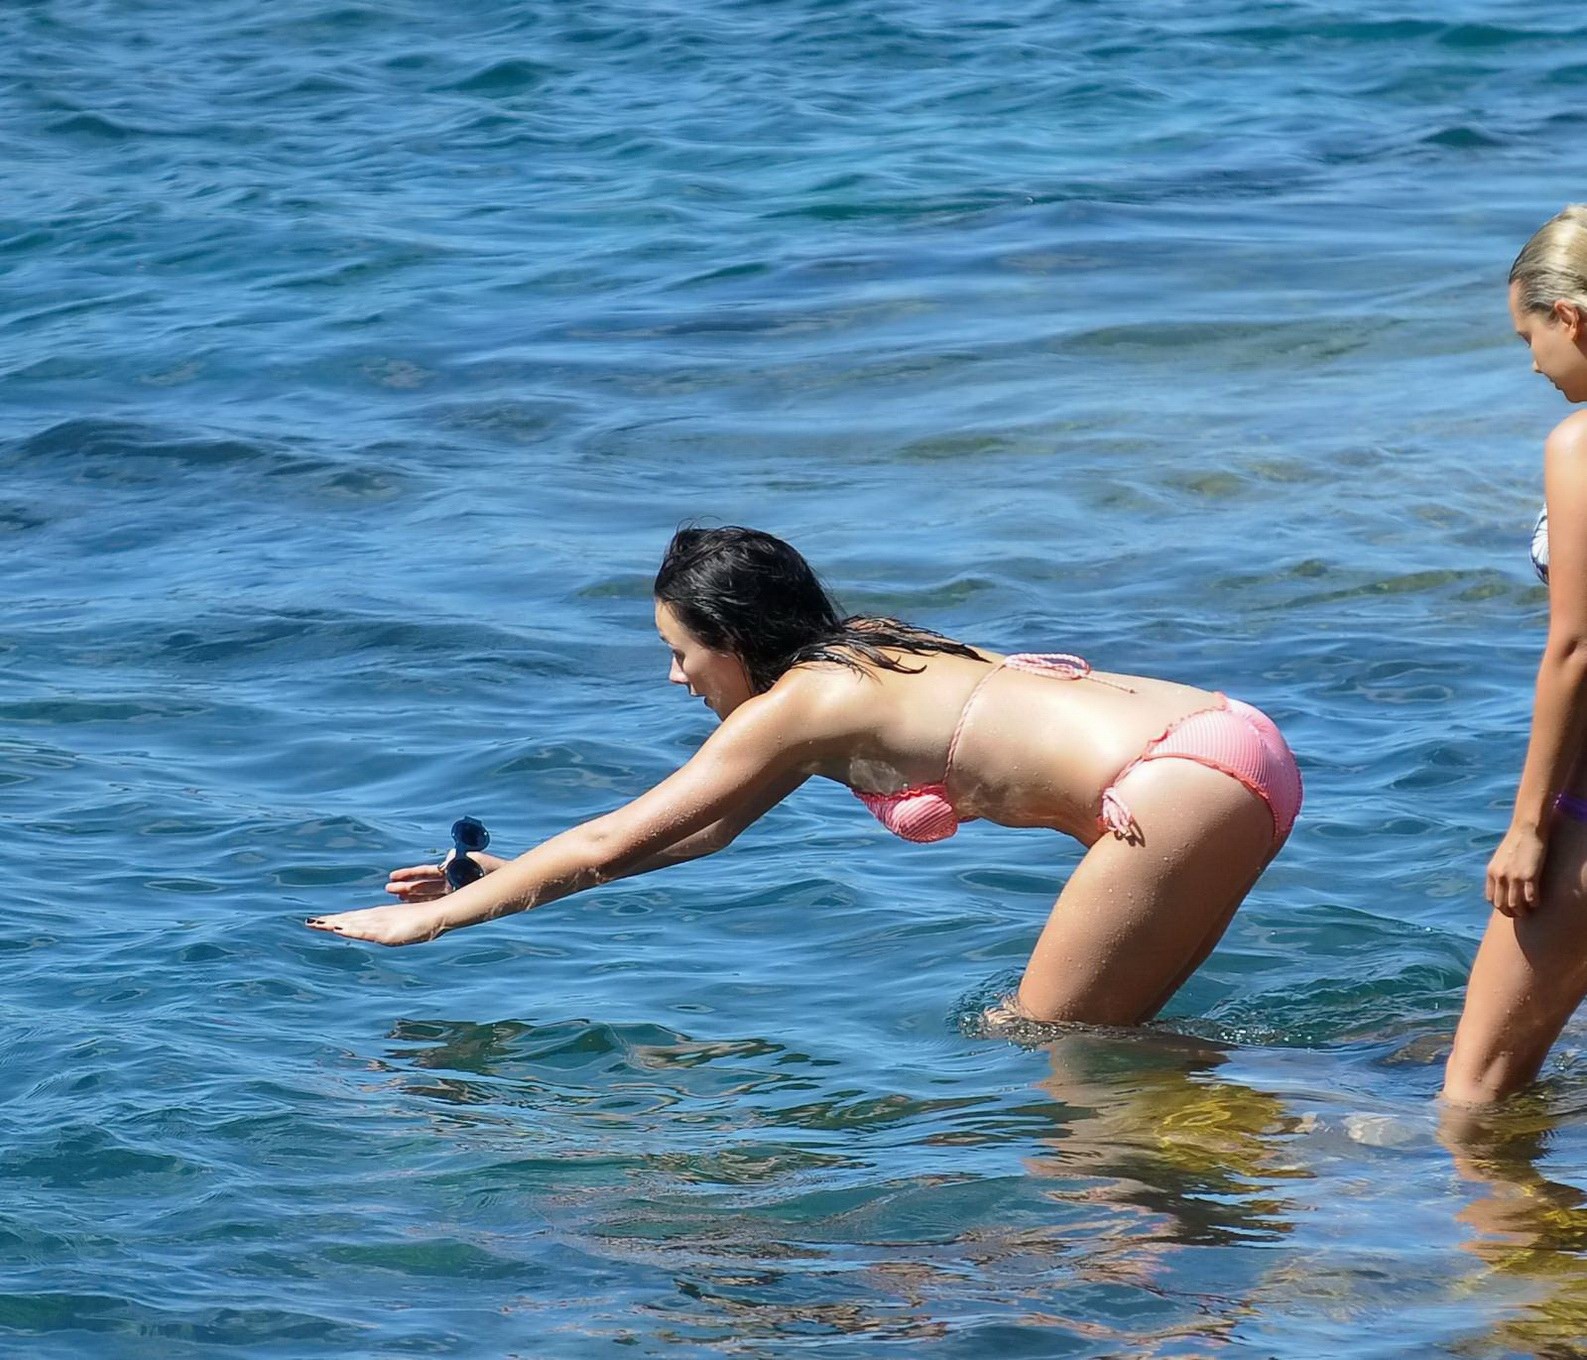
(361, 358)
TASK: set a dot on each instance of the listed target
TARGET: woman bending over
(1180, 795)
(1531, 969)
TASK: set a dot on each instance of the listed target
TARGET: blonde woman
(1531, 970)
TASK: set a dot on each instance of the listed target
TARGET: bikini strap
(1568, 805)
(1061, 666)
(964, 713)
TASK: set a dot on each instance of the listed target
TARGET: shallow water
(359, 360)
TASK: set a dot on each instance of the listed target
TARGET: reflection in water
(750, 1195)
(1158, 1133)
(1524, 1225)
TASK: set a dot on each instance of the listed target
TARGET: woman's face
(1558, 341)
(717, 677)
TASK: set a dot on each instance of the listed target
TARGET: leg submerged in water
(1138, 917)
(1530, 975)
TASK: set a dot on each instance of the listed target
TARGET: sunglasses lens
(468, 833)
(461, 871)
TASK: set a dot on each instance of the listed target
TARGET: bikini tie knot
(1117, 818)
(1061, 664)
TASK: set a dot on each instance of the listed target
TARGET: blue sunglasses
(468, 833)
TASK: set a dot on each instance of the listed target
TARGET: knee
(1486, 1078)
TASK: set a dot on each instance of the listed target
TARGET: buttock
(1235, 738)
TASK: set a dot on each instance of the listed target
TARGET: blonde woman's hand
(1515, 871)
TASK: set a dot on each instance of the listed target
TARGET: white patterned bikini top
(1540, 546)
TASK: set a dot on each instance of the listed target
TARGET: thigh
(1529, 976)
(1136, 918)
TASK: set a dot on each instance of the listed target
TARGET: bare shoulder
(1567, 441)
(830, 701)
(1565, 471)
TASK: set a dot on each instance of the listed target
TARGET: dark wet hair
(746, 592)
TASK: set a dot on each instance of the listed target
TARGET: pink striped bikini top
(925, 812)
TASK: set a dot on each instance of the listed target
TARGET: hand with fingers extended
(1516, 870)
(385, 925)
(417, 886)
(426, 882)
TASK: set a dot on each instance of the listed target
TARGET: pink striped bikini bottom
(1233, 737)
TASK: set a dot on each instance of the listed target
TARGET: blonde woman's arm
(1559, 707)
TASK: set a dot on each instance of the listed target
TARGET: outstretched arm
(1558, 725)
(750, 763)
(426, 882)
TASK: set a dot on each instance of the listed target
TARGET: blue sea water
(359, 359)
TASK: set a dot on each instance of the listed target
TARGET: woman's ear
(1570, 316)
